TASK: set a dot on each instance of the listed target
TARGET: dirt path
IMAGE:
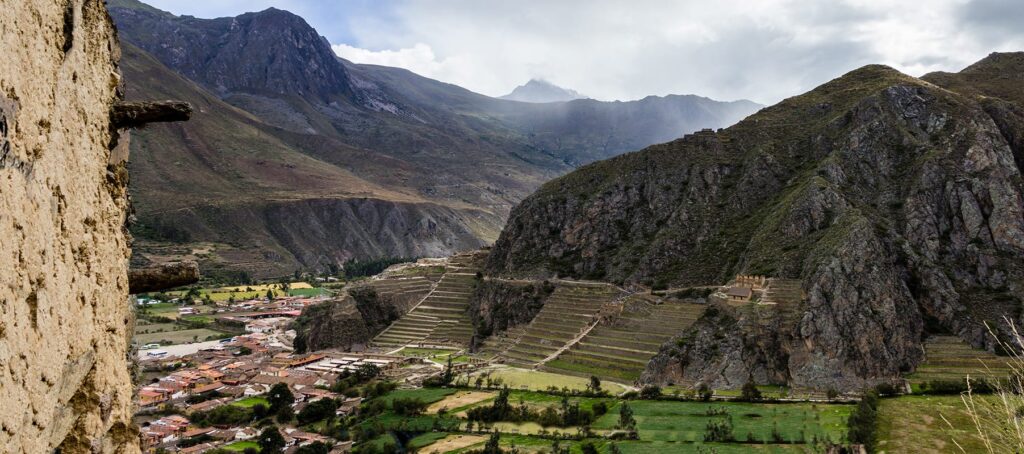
(459, 399)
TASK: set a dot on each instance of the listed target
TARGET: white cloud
(763, 50)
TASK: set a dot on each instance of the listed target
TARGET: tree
(493, 444)
(317, 447)
(750, 393)
(270, 295)
(280, 396)
(626, 420)
(270, 440)
(588, 448)
(285, 414)
(595, 385)
(318, 411)
(614, 449)
(449, 374)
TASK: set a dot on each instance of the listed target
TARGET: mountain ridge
(896, 202)
(434, 154)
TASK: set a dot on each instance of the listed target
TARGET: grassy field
(426, 439)
(915, 424)
(437, 355)
(240, 446)
(538, 381)
(250, 402)
(525, 443)
(427, 395)
(244, 292)
(686, 421)
(177, 337)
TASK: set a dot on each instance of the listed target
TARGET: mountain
(897, 203)
(297, 159)
(542, 91)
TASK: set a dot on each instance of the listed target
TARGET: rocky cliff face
(498, 305)
(353, 319)
(898, 203)
(64, 318)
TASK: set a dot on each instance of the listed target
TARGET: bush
(750, 393)
(705, 392)
(650, 392)
(719, 430)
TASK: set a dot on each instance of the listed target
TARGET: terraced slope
(404, 288)
(568, 312)
(440, 318)
(783, 291)
(620, 350)
(949, 358)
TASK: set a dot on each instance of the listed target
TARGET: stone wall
(64, 318)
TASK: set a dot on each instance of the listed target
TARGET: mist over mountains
(300, 159)
(540, 91)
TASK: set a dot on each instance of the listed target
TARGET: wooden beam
(155, 279)
(136, 114)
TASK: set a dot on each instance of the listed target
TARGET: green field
(427, 395)
(686, 421)
(437, 355)
(240, 446)
(530, 444)
(919, 424)
(426, 439)
(250, 402)
(539, 381)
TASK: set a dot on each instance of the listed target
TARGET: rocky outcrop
(498, 305)
(65, 320)
(351, 320)
(897, 203)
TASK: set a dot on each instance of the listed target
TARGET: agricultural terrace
(948, 358)
(437, 355)
(927, 424)
(441, 319)
(528, 379)
(662, 425)
(245, 292)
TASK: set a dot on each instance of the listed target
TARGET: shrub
(750, 393)
(650, 392)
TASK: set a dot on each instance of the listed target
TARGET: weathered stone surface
(163, 277)
(64, 317)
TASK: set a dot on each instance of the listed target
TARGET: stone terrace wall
(64, 317)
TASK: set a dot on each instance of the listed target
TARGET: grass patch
(427, 395)
(240, 446)
(524, 379)
(426, 439)
(250, 402)
(915, 424)
(686, 421)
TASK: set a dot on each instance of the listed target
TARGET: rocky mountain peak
(541, 91)
(267, 52)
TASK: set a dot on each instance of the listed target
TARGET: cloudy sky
(763, 50)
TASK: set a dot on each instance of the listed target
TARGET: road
(179, 350)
